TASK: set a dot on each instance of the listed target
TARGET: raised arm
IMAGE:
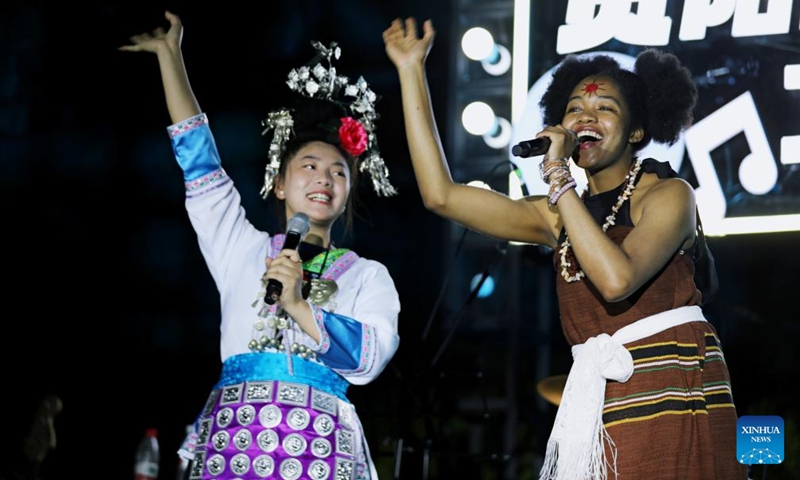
(225, 235)
(181, 101)
(492, 213)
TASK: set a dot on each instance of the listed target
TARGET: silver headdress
(356, 133)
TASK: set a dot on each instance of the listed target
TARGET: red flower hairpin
(352, 136)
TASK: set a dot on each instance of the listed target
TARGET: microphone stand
(426, 402)
(444, 286)
(501, 251)
(460, 245)
(424, 394)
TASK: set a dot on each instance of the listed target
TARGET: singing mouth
(589, 136)
(319, 197)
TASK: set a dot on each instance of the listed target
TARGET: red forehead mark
(592, 88)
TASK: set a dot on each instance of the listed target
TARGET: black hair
(660, 92)
(319, 120)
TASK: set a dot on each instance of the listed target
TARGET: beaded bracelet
(547, 169)
(554, 196)
(551, 165)
(559, 176)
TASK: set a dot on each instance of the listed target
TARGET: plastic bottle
(183, 463)
(147, 456)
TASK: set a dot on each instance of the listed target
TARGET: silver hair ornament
(317, 81)
(281, 121)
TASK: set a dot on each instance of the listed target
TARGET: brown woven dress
(675, 417)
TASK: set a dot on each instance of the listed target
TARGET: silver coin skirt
(268, 419)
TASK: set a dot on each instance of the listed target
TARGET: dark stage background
(109, 304)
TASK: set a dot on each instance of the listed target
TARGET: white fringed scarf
(576, 448)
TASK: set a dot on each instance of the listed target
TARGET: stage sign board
(742, 152)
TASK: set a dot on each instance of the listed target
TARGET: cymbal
(551, 388)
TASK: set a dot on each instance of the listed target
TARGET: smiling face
(316, 181)
(599, 114)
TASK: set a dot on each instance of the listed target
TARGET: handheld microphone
(531, 148)
(296, 229)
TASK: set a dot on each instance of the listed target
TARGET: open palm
(403, 43)
(158, 38)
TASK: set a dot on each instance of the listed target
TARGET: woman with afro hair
(648, 394)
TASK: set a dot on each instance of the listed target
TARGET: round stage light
(477, 43)
(478, 118)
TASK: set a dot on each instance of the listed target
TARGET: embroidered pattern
(367, 351)
(186, 125)
(324, 338)
(207, 180)
(342, 265)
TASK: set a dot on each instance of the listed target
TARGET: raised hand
(181, 101)
(158, 38)
(404, 46)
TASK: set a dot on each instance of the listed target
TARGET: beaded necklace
(623, 196)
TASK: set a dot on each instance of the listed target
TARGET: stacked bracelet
(553, 196)
(555, 172)
(549, 166)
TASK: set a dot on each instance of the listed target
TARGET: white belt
(575, 450)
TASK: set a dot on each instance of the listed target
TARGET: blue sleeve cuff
(344, 343)
(194, 147)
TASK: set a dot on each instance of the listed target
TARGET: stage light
(499, 135)
(478, 44)
(478, 118)
(487, 288)
(479, 184)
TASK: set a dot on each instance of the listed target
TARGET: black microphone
(531, 148)
(295, 231)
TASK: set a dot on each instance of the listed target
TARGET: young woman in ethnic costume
(648, 395)
(279, 409)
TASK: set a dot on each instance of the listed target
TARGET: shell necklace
(623, 196)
